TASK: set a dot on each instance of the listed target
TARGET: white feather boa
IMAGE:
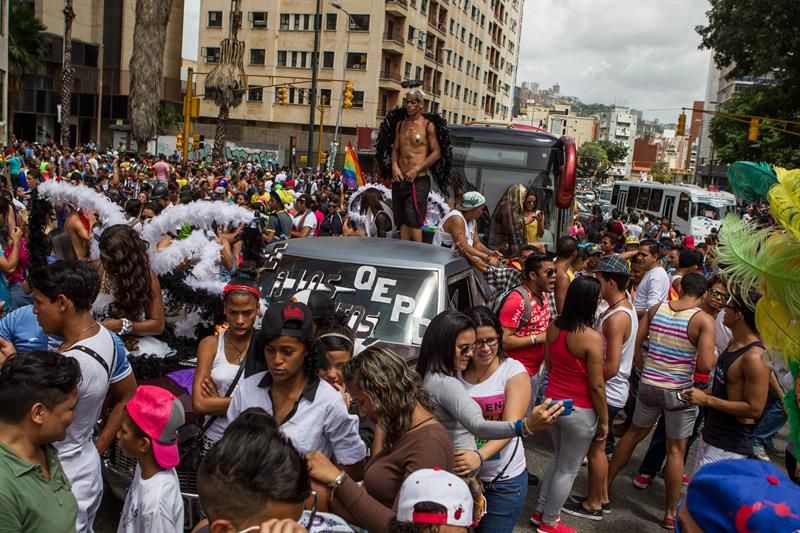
(60, 192)
(203, 250)
(437, 205)
(200, 214)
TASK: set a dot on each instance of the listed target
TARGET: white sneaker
(760, 453)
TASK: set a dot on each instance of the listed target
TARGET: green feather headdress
(764, 260)
(751, 181)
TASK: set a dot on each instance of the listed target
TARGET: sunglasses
(550, 272)
(714, 293)
(465, 350)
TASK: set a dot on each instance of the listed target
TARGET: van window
(615, 195)
(633, 195)
(644, 198)
(683, 206)
(655, 200)
(458, 293)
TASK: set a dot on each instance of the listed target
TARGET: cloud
(641, 53)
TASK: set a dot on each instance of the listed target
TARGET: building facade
(4, 7)
(464, 52)
(619, 125)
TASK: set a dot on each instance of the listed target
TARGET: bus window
(714, 212)
(644, 198)
(655, 200)
(684, 206)
(615, 195)
(633, 195)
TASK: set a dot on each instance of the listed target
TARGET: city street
(634, 510)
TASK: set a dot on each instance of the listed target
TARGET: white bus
(604, 194)
(694, 210)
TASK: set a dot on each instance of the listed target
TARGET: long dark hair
(61, 245)
(580, 304)
(436, 350)
(127, 264)
(483, 316)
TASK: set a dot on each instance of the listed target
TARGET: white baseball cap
(435, 486)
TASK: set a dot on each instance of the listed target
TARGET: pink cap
(159, 414)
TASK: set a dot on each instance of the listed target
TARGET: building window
(255, 94)
(411, 31)
(327, 60)
(215, 19)
(419, 74)
(301, 22)
(284, 21)
(330, 22)
(326, 94)
(423, 7)
(212, 54)
(358, 99)
(281, 58)
(257, 56)
(359, 22)
(357, 61)
(408, 70)
(258, 19)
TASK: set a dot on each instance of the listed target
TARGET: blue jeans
(18, 296)
(504, 503)
(772, 421)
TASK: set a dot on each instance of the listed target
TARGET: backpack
(497, 304)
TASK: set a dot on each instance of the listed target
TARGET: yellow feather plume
(784, 200)
(779, 330)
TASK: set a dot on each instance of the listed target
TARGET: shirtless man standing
(415, 149)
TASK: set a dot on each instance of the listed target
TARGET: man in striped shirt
(680, 353)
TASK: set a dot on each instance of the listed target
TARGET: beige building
(559, 120)
(465, 52)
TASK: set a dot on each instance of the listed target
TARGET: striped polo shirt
(669, 363)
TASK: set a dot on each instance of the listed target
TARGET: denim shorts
(652, 402)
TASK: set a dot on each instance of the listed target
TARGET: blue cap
(743, 495)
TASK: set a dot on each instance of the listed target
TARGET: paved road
(634, 510)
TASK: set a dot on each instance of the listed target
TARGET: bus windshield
(711, 210)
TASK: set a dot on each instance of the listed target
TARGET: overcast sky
(640, 53)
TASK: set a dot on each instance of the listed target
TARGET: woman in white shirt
(220, 356)
(501, 387)
(305, 222)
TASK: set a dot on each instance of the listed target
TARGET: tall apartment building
(4, 7)
(464, 51)
(619, 125)
(102, 44)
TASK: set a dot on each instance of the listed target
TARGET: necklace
(78, 336)
(416, 137)
(418, 424)
(239, 355)
(610, 307)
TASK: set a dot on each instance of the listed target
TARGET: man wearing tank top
(739, 393)
(618, 325)
(680, 352)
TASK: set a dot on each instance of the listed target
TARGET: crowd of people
(294, 427)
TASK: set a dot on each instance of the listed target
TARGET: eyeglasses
(490, 342)
(714, 293)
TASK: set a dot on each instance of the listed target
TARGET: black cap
(282, 313)
(159, 191)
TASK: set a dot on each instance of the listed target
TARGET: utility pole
(335, 143)
(313, 95)
(187, 116)
(321, 129)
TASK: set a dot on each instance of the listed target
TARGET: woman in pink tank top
(574, 355)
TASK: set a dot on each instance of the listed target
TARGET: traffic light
(752, 133)
(283, 95)
(195, 142)
(179, 142)
(347, 97)
(681, 125)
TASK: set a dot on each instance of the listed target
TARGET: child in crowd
(149, 434)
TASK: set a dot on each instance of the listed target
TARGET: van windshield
(391, 304)
(711, 210)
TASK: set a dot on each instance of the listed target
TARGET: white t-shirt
(320, 421)
(490, 395)
(153, 504)
(222, 374)
(617, 387)
(92, 389)
(634, 230)
(723, 334)
(306, 220)
(652, 290)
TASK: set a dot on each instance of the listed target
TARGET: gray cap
(613, 264)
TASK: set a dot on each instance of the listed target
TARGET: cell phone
(567, 407)
(681, 397)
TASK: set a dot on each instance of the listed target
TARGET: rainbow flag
(352, 175)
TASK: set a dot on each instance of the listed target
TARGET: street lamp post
(435, 72)
(335, 143)
(313, 92)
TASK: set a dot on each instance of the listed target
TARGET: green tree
(617, 151)
(27, 47)
(660, 172)
(591, 159)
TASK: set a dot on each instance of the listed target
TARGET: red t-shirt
(511, 314)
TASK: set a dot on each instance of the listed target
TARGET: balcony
(398, 8)
(441, 27)
(389, 80)
(393, 43)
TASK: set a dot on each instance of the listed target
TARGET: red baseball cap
(159, 414)
(688, 241)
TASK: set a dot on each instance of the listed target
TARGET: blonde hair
(393, 387)
(416, 93)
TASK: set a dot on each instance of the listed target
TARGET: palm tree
(226, 82)
(27, 47)
(167, 120)
(66, 73)
(147, 67)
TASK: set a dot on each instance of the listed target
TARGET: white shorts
(82, 468)
(707, 454)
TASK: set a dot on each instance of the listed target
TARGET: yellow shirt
(259, 198)
(532, 231)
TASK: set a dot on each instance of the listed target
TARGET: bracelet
(336, 483)
(533, 340)
(525, 426)
(518, 428)
(127, 327)
(480, 457)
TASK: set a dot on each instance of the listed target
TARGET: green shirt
(31, 503)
